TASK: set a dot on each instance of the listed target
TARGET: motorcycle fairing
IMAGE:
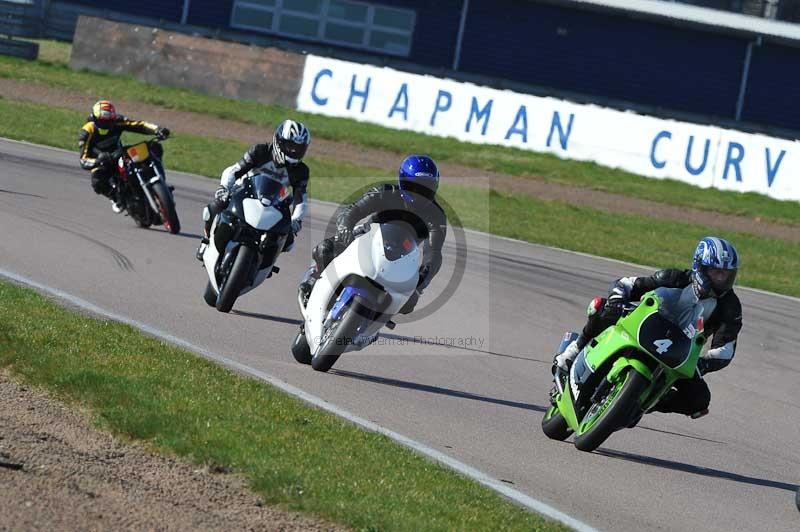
(260, 216)
(363, 258)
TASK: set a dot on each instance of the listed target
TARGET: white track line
(460, 467)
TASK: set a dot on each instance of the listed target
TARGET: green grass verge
(294, 455)
(769, 264)
(52, 70)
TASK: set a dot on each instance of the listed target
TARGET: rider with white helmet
(283, 159)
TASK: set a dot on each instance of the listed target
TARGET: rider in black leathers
(713, 272)
(282, 159)
(100, 136)
(412, 200)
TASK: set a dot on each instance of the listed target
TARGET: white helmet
(290, 142)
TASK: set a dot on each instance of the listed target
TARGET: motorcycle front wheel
(166, 207)
(236, 279)
(611, 412)
(339, 334)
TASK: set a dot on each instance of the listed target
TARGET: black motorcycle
(246, 239)
(142, 188)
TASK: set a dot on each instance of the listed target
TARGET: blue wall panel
(210, 13)
(604, 55)
(435, 29)
(161, 9)
(772, 91)
(434, 32)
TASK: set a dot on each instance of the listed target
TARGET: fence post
(185, 13)
(460, 37)
(43, 9)
(748, 56)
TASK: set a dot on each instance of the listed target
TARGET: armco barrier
(19, 20)
(40, 19)
(23, 49)
(705, 156)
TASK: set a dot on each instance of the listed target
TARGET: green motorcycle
(623, 373)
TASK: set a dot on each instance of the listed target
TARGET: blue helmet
(714, 266)
(419, 175)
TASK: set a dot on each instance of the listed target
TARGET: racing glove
(296, 226)
(221, 198)
(615, 306)
(343, 238)
(616, 301)
(162, 133)
(104, 160)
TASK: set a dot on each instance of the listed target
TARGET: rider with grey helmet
(711, 278)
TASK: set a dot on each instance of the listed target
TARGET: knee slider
(323, 253)
(322, 250)
(702, 399)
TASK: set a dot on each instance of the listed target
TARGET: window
(342, 22)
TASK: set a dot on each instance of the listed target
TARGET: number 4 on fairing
(662, 346)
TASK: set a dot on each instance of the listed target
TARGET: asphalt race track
(480, 394)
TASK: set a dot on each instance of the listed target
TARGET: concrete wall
(266, 75)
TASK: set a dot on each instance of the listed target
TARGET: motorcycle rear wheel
(210, 296)
(141, 223)
(300, 348)
(554, 425)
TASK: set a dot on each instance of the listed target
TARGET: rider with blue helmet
(710, 280)
(412, 199)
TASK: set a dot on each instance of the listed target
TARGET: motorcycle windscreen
(399, 240)
(260, 216)
(395, 255)
(664, 340)
(268, 190)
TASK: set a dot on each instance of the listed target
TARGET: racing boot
(564, 360)
(117, 205)
(201, 249)
(208, 218)
(307, 284)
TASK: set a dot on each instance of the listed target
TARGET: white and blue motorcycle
(358, 293)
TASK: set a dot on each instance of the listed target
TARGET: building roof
(711, 18)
